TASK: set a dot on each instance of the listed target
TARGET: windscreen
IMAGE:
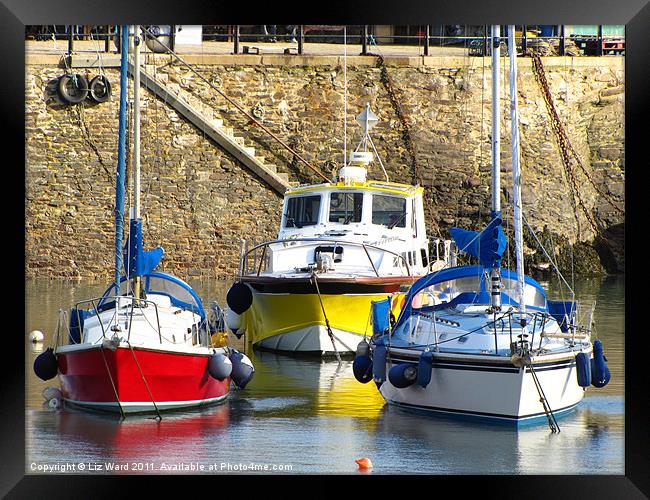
(388, 211)
(346, 207)
(302, 211)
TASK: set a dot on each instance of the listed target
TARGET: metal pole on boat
(136, 139)
(495, 275)
(516, 175)
(121, 159)
(496, 118)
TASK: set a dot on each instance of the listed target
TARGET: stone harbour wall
(435, 126)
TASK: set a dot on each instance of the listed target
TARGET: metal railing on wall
(473, 39)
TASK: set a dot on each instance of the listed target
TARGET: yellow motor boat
(341, 246)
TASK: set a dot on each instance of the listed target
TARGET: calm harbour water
(302, 416)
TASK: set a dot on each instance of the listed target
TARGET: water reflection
(82, 436)
(314, 416)
(329, 385)
(447, 445)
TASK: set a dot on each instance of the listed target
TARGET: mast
(136, 139)
(495, 274)
(140, 262)
(496, 119)
(136, 122)
(516, 172)
(121, 158)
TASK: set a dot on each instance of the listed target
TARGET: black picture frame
(635, 14)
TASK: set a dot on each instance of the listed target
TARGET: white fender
(233, 320)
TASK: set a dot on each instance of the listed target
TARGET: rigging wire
(345, 96)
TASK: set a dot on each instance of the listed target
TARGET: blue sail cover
(121, 156)
(141, 262)
(487, 246)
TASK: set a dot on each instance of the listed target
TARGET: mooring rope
(110, 377)
(552, 422)
(144, 380)
(327, 322)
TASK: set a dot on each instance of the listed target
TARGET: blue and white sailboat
(482, 340)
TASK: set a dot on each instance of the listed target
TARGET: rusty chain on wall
(406, 130)
(568, 153)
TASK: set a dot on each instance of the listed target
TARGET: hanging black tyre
(100, 89)
(73, 88)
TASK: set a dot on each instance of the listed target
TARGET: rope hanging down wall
(568, 153)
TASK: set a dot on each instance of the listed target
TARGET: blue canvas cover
(141, 262)
(487, 246)
(380, 316)
(77, 317)
(453, 273)
(561, 310)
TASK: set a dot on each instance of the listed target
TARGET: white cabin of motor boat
(351, 226)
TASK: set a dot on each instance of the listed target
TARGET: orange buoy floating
(364, 463)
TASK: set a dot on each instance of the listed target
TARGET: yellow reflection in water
(340, 394)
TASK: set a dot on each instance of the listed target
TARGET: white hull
(313, 340)
(489, 389)
(143, 406)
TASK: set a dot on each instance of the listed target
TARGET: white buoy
(36, 336)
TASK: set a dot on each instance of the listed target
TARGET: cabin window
(445, 291)
(389, 211)
(345, 207)
(532, 296)
(302, 211)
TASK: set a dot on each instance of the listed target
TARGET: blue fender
(242, 368)
(600, 374)
(379, 364)
(45, 365)
(362, 368)
(403, 375)
(583, 369)
(425, 366)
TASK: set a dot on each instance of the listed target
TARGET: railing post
(70, 39)
(254, 253)
(599, 51)
(562, 40)
(301, 38)
(364, 41)
(236, 40)
(524, 40)
(107, 40)
(426, 40)
(172, 41)
(485, 41)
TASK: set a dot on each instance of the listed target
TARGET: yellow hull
(273, 314)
